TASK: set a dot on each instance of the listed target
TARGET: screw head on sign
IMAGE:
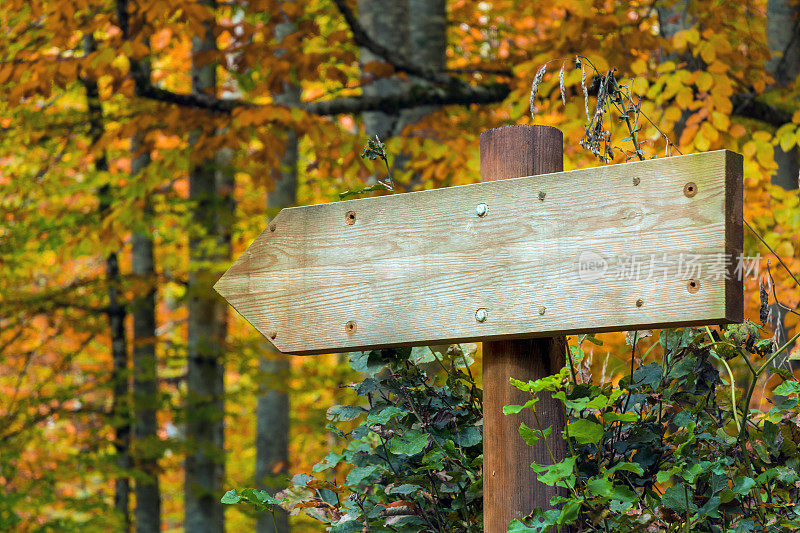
(272, 227)
(690, 189)
(481, 315)
(350, 327)
(541, 310)
(639, 302)
(542, 195)
(273, 334)
(693, 286)
(636, 181)
(350, 218)
(481, 210)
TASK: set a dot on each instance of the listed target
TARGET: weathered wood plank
(414, 268)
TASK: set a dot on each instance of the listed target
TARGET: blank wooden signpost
(516, 262)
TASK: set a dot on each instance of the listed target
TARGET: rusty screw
(272, 227)
(541, 310)
(350, 327)
(690, 189)
(636, 181)
(693, 286)
(639, 302)
(273, 334)
(350, 218)
(542, 195)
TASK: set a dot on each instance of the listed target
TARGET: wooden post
(510, 486)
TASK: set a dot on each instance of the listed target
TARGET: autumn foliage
(90, 87)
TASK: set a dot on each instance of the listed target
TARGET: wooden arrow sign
(630, 246)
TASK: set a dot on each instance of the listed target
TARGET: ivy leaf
(531, 436)
(743, 485)
(404, 489)
(628, 467)
(410, 443)
(359, 474)
(518, 527)
(787, 388)
(421, 355)
(230, 497)
(383, 416)
(585, 431)
(469, 436)
(514, 409)
(344, 413)
(677, 498)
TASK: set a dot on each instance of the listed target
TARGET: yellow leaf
(709, 131)
(717, 67)
(763, 136)
(704, 81)
(708, 53)
(639, 85)
(672, 113)
(720, 120)
(796, 117)
(701, 141)
(638, 67)
(667, 66)
(764, 155)
(685, 97)
(749, 148)
(788, 140)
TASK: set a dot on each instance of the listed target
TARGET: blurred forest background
(146, 143)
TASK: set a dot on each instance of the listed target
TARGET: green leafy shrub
(413, 453)
(674, 447)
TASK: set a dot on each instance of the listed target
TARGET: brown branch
(416, 96)
(746, 105)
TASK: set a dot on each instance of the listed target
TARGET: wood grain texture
(510, 488)
(414, 268)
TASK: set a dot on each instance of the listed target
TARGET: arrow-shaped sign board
(637, 245)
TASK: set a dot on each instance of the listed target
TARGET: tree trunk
(145, 373)
(387, 24)
(120, 405)
(783, 38)
(272, 410)
(427, 32)
(210, 191)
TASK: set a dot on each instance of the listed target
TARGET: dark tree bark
(120, 403)
(385, 23)
(272, 408)
(783, 38)
(210, 190)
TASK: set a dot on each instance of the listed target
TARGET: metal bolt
(273, 334)
(639, 302)
(481, 210)
(541, 310)
(690, 189)
(541, 195)
(272, 227)
(636, 181)
(350, 327)
(481, 315)
(350, 218)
